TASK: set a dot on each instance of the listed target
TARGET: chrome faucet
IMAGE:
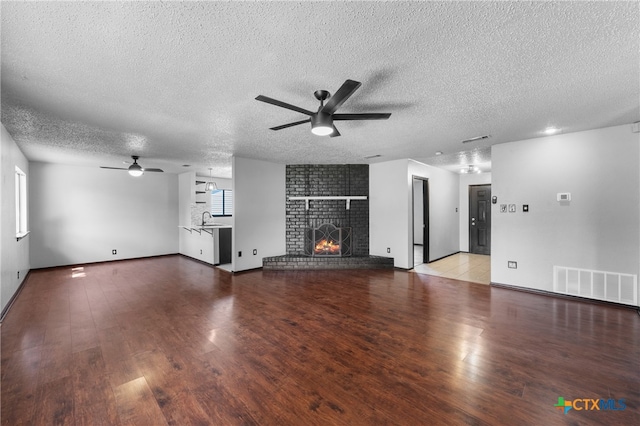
(203, 213)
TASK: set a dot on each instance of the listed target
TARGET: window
(21, 203)
(221, 202)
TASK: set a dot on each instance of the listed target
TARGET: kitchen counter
(206, 226)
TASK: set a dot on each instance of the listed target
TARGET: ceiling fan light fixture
(135, 170)
(321, 130)
(321, 124)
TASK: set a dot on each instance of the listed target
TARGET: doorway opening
(420, 220)
(465, 265)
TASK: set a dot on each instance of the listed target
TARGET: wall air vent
(476, 139)
(368, 157)
(613, 287)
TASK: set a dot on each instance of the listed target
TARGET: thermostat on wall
(564, 196)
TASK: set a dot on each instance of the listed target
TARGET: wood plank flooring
(170, 341)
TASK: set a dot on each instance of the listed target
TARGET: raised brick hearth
(290, 262)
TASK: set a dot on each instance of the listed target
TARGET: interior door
(480, 219)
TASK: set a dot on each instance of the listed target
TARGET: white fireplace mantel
(347, 198)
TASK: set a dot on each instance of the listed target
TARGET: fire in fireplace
(327, 247)
(328, 240)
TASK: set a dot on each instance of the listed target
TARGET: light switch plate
(512, 208)
(503, 208)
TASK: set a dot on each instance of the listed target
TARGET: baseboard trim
(561, 296)
(444, 257)
(197, 260)
(103, 261)
(14, 297)
(252, 270)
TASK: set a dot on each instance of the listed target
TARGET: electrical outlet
(114, 251)
(18, 274)
(512, 265)
(255, 251)
(200, 251)
(388, 249)
(239, 254)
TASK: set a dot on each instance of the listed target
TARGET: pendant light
(211, 185)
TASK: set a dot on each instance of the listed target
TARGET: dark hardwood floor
(171, 341)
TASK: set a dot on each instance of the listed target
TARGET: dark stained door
(480, 219)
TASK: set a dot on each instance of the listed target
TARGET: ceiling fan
(135, 169)
(322, 120)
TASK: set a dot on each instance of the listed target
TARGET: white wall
(466, 180)
(598, 229)
(14, 255)
(79, 214)
(391, 211)
(186, 197)
(258, 212)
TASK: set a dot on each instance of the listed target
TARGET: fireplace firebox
(328, 240)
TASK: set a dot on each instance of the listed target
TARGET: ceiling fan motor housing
(321, 119)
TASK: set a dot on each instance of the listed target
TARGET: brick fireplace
(330, 200)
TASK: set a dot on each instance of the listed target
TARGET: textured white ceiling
(174, 82)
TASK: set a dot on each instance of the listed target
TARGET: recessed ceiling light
(551, 130)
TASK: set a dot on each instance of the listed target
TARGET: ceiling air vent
(476, 139)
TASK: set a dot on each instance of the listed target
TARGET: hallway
(474, 268)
